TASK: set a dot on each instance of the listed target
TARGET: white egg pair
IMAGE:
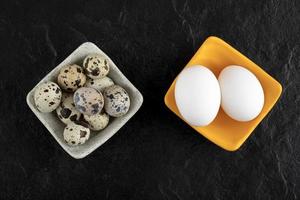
(199, 94)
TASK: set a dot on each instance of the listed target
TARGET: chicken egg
(242, 93)
(197, 95)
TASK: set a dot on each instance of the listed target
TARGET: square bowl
(225, 132)
(56, 127)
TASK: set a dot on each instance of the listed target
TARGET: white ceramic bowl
(56, 127)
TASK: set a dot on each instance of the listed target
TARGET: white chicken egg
(242, 93)
(197, 95)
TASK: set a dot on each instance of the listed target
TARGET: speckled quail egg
(96, 66)
(117, 101)
(47, 96)
(75, 134)
(97, 122)
(99, 84)
(71, 77)
(67, 112)
(88, 101)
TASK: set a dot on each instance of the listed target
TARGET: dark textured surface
(155, 156)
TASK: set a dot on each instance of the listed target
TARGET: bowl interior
(224, 131)
(56, 127)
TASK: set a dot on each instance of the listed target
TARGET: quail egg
(99, 84)
(47, 96)
(88, 101)
(67, 112)
(71, 77)
(96, 66)
(97, 122)
(75, 134)
(242, 93)
(117, 101)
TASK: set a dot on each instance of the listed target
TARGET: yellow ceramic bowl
(224, 131)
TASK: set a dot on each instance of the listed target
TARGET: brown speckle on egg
(58, 91)
(65, 112)
(73, 117)
(82, 133)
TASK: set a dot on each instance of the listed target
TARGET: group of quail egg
(88, 99)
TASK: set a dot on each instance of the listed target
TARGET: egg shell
(47, 97)
(66, 111)
(117, 101)
(97, 122)
(99, 84)
(197, 95)
(96, 66)
(75, 134)
(88, 101)
(242, 93)
(71, 77)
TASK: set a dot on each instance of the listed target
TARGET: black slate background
(155, 156)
